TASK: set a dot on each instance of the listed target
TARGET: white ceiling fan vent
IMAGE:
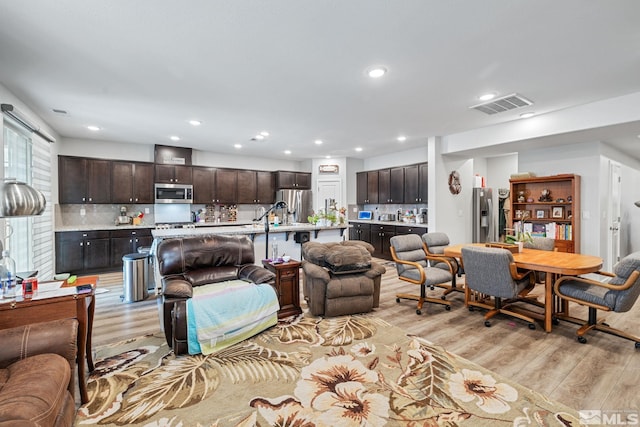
(505, 103)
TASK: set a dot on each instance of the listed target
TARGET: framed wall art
(557, 212)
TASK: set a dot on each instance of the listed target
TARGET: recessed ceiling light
(237, 145)
(259, 137)
(264, 133)
(327, 157)
(174, 138)
(487, 97)
(402, 138)
(358, 149)
(287, 151)
(195, 122)
(376, 72)
(527, 115)
(93, 128)
(318, 142)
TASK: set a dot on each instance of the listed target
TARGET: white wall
(398, 158)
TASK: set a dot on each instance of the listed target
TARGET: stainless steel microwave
(173, 193)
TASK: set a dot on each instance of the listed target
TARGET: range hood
(20, 199)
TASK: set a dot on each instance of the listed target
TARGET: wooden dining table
(553, 263)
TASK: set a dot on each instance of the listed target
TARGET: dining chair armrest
(453, 268)
(577, 279)
(521, 274)
(416, 265)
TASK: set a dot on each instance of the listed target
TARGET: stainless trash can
(151, 283)
(134, 269)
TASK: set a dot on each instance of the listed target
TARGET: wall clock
(454, 183)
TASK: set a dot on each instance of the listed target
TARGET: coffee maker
(421, 218)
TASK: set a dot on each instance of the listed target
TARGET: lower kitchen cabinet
(128, 241)
(84, 252)
(360, 231)
(380, 235)
(410, 230)
(79, 252)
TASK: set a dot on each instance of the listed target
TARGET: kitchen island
(288, 238)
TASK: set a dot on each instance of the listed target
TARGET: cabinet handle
(130, 199)
(81, 244)
(90, 199)
(88, 243)
(83, 199)
(130, 241)
(136, 199)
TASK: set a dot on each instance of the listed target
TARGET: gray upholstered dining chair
(491, 272)
(434, 244)
(543, 244)
(617, 291)
(411, 263)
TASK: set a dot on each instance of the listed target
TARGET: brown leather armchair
(187, 262)
(37, 374)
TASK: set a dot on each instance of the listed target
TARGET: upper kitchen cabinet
(131, 182)
(84, 180)
(415, 183)
(226, 186)
(367, 187)
(204, 181)
(255, 187)
(174, 174)
(295, 180)
(391, 185)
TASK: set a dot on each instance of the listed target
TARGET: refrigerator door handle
(490, 236)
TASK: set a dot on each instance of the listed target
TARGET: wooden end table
(287, 285)
(54, 305)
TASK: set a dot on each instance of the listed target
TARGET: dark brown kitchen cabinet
(127, 241)
(174, 174)
(361, 188)
(83, 180)
(79, 252)
(226, 186)
(391, 185)
(255, 187)
(204, 181)
(415, 183)
(131, 182)
(373, 179)
(380, 235)
(400, 229)
(296, 180)
(360, 231)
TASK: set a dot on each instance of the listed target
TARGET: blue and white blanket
(225, 313)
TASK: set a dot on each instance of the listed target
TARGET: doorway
(613, 216)
(329, 189)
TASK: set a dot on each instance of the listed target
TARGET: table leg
(90, 311)
(81, 314)
(548, 302)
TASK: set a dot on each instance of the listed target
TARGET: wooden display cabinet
(560, 209)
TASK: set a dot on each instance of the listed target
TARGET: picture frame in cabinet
(540, 213)
(557, 212)
(522, 214)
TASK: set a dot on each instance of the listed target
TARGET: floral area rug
(343, 371)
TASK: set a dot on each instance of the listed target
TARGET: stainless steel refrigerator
(299, 204)
(484, 229)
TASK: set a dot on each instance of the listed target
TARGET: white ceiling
(296, 68)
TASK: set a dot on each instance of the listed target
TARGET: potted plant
(519, 237)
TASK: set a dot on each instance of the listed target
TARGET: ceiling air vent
(505, 103)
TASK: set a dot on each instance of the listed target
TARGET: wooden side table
(287, 286)
(56, 305)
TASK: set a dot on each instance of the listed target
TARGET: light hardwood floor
(602, 374)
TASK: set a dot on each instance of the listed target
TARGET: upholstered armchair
(340, 278)
(412, 265)
(617, 292)
(491, 272)
(434, 244)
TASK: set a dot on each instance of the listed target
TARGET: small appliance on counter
(123, 218)
(388, 217)
(365, 215)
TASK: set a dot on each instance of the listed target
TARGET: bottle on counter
(274, 249)
(8, 275)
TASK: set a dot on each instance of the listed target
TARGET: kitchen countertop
(241, 229)
(398, 223)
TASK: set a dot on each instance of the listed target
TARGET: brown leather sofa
(186, 262)
(340, 278)
(37, 374)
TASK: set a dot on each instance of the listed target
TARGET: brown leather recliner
(37, 374)
(186, 262)
(340, 278)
